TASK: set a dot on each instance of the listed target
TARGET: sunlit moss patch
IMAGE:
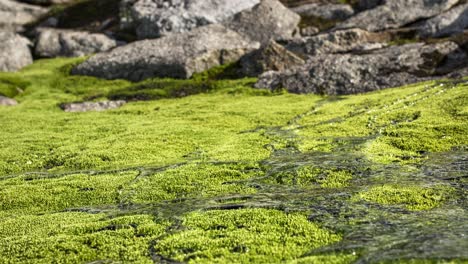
(244, 236)
(308, 176)
(193, 180)
(412, 197)
(77, 238)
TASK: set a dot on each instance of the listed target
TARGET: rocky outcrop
(5, 101)
(272, 57)
(358, 73)
(14, 52)
(327, 11)
(450, 22)
(337, 42)
(397, 13)
(64, 43)
(46, 2)
(176, 55)
(14, 15)
(92, 106)
(156, 18)
(267, 20)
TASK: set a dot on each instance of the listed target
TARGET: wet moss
(35, 194)
(374, 168)
(401, 124)
(77, 237)
(190, 181)
(244, 236)
(412, 197)
(309, 176)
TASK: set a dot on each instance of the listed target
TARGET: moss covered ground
(209, 170)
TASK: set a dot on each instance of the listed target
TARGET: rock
(336, 42)
(450, 22)
(397, 13)
(14, 52)
(14, 15)
(92, 106)
(309, 31)
(327, 11)
(367, 4)
(156, 18)
(272, 57)
(46, 2)
(267, 20)
(176, 55)
(358, 73)
(5, 101)
(64, 43)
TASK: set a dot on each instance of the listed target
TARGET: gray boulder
(46, 2)
(64, 43)
(14, 15)
(397, 13)
(268, 20)
(327, 11)
(92, 106)
(337, 42)
(5, 101)
(450, 22)
(176, 55)
(272, 57)
(156, 18)
(358, 73)
(14, 52)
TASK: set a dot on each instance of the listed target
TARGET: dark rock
(267, 20)
(450, 22)
(272, 57)
(156, 18)
(358, 73)
(397, 13)
(5, 101)
(91, 106)
(65, 43)
(337, 42)
(327, 11)
(176, 55)
(14, 15)
(367, 4)
(14, 52)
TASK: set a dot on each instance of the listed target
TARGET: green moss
(193, 180)
(329, 259)
(336, 179)
(77, 238)
(412, 197)
(42, 137)
(308, 176)
(225, 146)
(28, 194)
(400, 124)
(12, 84)
(244, 236)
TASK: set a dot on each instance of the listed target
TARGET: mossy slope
(306, 179)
